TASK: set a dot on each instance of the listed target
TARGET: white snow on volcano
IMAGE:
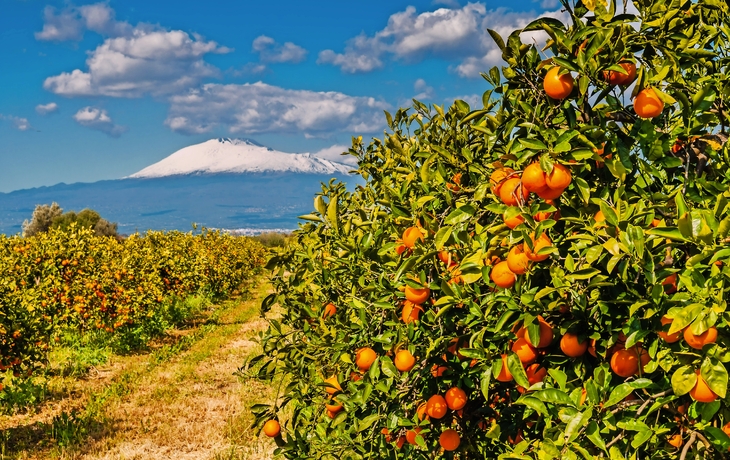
(238, 156)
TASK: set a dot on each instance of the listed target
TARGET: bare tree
(42, 219)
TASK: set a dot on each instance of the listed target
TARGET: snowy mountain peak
(226, 155)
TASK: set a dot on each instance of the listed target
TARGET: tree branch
(687, 446)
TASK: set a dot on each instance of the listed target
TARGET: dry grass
(190, 406)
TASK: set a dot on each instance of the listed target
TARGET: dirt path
(182, 403)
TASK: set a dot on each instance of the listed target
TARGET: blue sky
(93, 91)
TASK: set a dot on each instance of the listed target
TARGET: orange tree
(545, 277)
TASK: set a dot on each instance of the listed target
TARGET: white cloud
(261, 108)
(45, 109)
(99, 120)
(474, 100)
(71, 22)
(334, 153)
(423, 90)
(457, 33)
(271, 51)
(19, 123)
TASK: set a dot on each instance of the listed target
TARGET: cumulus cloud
(422, 89)
(457, 33)
(334, 153)
(71, 22)
(271, 51)
(19, 123)
(99, 120)
(45, 109)
(261, 108)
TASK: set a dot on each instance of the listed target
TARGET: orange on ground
(517, 260)
(417, 295)
(449, 440)
(572, 346)
(502, 276)
(512, 193)
(625, 363)
(548, 193)
(524, 351)
(436, 407)
(412, 434)
(456, 398)
(411, 312)
(559, 178)
(364, 358)
(648, 104)
(546, 335)
(533, 177)
(558, 86)
(701, 391)
(699, 341)
(410, 236)
(498, 177)
(664, 335)
(404, 361)
(504, 375)
(329, 310)
(333, 385)
(272, 428)
(513, 222)
(542, 242)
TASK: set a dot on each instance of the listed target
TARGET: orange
(504, 375)
(615, 78)
(502, 276)
(436, 407)
(455, 184)
(417, 295)
(498, 177)
(449, 440)
(548, 193)
(438, 371)
(624, 363)
(670, 284)
(446, 257)
(512, 193)
(456, 398)
(404, 361)
(546, 335)
(558, 86)
(675, 440)
(533, 177)
(333, 385)
(411, 311)
(517, 260)
(648, 104)
(559, 178)
(540, 216)
(402, 440)
(513, 222)
(412, 434)
(699, 341)
(535, 373)
(364, 358)
(524, 351)
(664, 335)
(329, 310)
(701, 391)
(334, 408)
(517, 439)
(599, 217)
(272, 428)
(572, 346)
(583, 396)
(410, 236)
(542, 242)
(421, 411)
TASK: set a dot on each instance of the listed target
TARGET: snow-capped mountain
(218, 156)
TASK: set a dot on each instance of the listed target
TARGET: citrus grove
(543, 277)
(124, 289)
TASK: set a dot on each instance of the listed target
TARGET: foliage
(272, 239)
(658, 253)
(87, 218)
(42, 219)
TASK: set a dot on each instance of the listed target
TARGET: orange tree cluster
(544, 277)
(74, 279)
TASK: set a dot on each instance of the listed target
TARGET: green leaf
(715, 374)
(619, 394)
(609, 213)
(683, 380)
(388, 367)
(442, 236)
(484, 382)
(460, 215)
(533, 144)
(667, 232)
(514, 365)
(583, 189)
(553, 396)
(534, 404)
(367, 422)
(594, 435)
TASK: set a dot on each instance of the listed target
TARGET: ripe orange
(513, 222)
(648, 104)
(449, 440)
(502, 276)
(412, 434)
(699, 341)
(364, 358)
(334, 408)
(517, 260)
(572, 346)
(410, 236)
(498, 177)
(421, 411)
(546, 335)
(438, 371)
(402, 440)
(272, 428)
(544, 215)
(542, 242)
(670, 284)
(624, 363)
(675, 440)
(404, 361)
(664, 335)
(535, 374)
(504, 375)
(456, 398)
(617, 78)
(455, 184)
(436, 407)
(512, 193)
(548, 193)
(533, 177)
(701, 391)
(411, 312)
(524, 351)
(599, 217)
(446, 257)
(417, 296)
(333, 385)
(559, 178)
(558, 86)
(329, 310)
